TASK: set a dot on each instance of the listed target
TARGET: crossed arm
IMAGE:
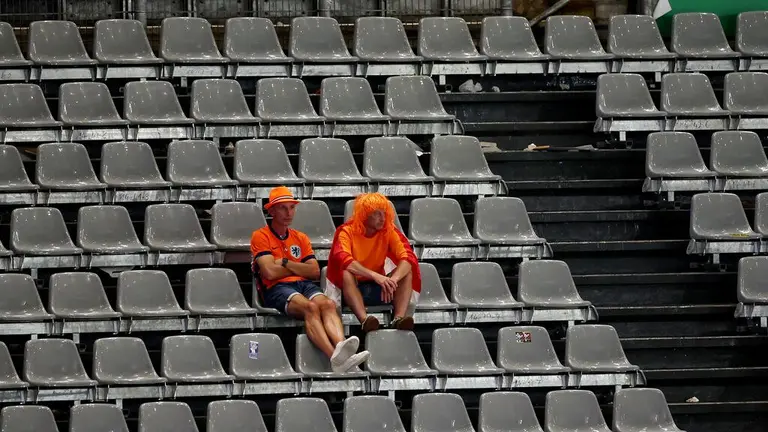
(271, 268)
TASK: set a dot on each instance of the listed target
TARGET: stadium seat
(54, 363)
(595, 348)
(40, 231)
(252, 40)
(481, 285)
(219, 101)
(689, 94)
(508, 38)
(624, 95)
(761, 214)
(392, 160)
(122, 42)
(573, 410)
(191, 358)
(79, 295)
(674, 154)
(746, 93)
(24, 106)
(311, 362)
(317, 40)
(174, 228)
(459, 158)
(95, 417)
(349, 208)
(214, 291)
(9, 379)
(446, 39)
(263, 161)
(27, 418)
(3, 251)
(412, 98)
(751, 287)
(440, 412)
(234, 416)
(641, 409)
(504, 220)
(395, 353)
(21, 301)
(232, 224)
(13, 177)
(439, 221)
(146, 293)
(10, 54)
(300, 414)
(371, 414)
(636, 37)
(750, 37)
(573, 38)
(328, 160)
(432, 292)
(107, 229)
(382, 39)
(527, 350)
(507, 411)
(65, 166)
(259, 357)
(153, 103)
(196, 163)
(123, 361)
(88, 104)
(313, 218)
(719, 217)
(166, 417)
(284, 100)
(461, 351)
(188, 40)
(57, 43)
(696, 34)
(349, 99)
(548, 284)
(738, 154)
(131, 164)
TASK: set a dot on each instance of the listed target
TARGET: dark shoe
(370, 323)
(403, 323)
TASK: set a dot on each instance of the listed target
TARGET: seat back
(507, 411)
(458, 157)
(393, 351)
(313, 218)
(170, 225)
(412, 96)
(434, 219)
(459, 349)
(499, 219)
(106, 228)
(12, 173)
(719, 216)
(195, 161)
(27, 418)
(435, 412)
(750, 39)
(262, 161)
(688, 93)
(316, 39)
(746, 92)
(52, 361)
(381, 39)
(282, 98)
(20, 297)
(738, 153)
(9, 378)
(571, 36)
(371, 414)
(129, 164)
(142, 292)
(637, 409)
(546, 282)
(233, 223)
(327, 159)
(40, 230)
(121, 40)
(166, 417)
(508, 37)
(751, 287)
(258, 355)
(432, 291)
(673, 154)
(445, 38)
(185, 39)
(218, 100)
(52, 41)
(189, 358)
(593, 345)
(574, 410)
(213, 288)
(347, 98)
(251, 39)
(698, 34)
(302, 414)
(86, 103)
(526, 349)
(234, 416)
(761, 213)
(479, 282)
(635, 36)
(121, 360)
(24, 105)
(391, 158)
(309, 359)
(94, 417)
(623, 95)
(10, 52)
(77, 293)
(151, 102)
(64, 165)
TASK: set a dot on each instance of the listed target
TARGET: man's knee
(323, 303)
(311, 310)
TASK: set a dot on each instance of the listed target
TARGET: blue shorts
(278, 296)
(371, 292)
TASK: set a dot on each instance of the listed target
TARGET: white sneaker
(351, 363)
(344, 350)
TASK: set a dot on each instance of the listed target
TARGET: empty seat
(65, 166)
(509, 38)
(719, 217)
(13, 177)
(123, 361)
(252, 40)
(317, 40)
(284, 100)
(328, 160)
(259, 357)
(79, 295)
(174, 228)
(573, 410)
(459, 158)
(527, 350)
(641, 409)
(234, 416)
(188, 40)
(624, 95)
(413, 98)
(432, 292)
(751, 287)
(371, 414)
(219, 101)
(232, 224)
(746, 93)
(130, 165)
(697, 34)
(166, 417)
(40, 231)
(54, 363)
(481, 285)
(24, 106)
(446, 39)
(96, 417)
(440, 412)
(349, 209)
(311, 362)
(689, 94)
(263, 161)
(313, 218)
(10, 53)
(214, 291)
(738, 154)
(751, 40)
(27, 418)
(191, 358)
(761, 214)
(4, 251)
(9, 379)
(395, 353)
(21, 301)
(595, 348)
(146, 293)
(152, 103)
(573, 38)
(57, 43)
(349, 99)
(462, 351)
(382, 39)
(507, 411)
(392, 160)
(439, 221)
(107, 229)
(122, 42)
(636, 37)
(88, 104)
(504, 220)
(196, 163)
(301, 414)
(674, 154)
(548, 284)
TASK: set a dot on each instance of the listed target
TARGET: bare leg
(352, 296)
(403, 295)
(334, 328)
(301, 308)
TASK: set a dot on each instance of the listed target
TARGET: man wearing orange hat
(284, 266)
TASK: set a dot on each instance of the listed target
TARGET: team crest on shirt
(296, 251)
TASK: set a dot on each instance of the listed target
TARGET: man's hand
(388, 287)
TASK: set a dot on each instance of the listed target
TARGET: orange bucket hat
(279, 195)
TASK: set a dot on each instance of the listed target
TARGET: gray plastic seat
(123, 361)
(413, 98)
(188, 40)
(54, 363)
(40, 231)
(689, 94)
(751, 287)
(349, 99)
(738, 154)
(382, 39)
(65, 166)
(548, 284)
(130, 164)
(263, 161)
(440, 412)
(79, 295)
(624, 95)
(88, 104)
(439, 222)
(252, 40)
(107, 229)
(674, 154)
(761, 214)
(313, 218)
(196, 163)
(509, 38)
(269, 362)
(4, 251)
(234, 416)
(166, 417)
(719, 217)
(146, 293)
(328, 160)
(9, 379)
(459, 158)
(462, 351)
(24, 106)
(97, 417)
(392, 160)
(284, 100)
(573, 38)
(153, 103)
(432, 292)
(311, 362)
(395, 353)
(174, 228)
(10, 53)
(191, 358)
(302, 414)
(595, 348)
(636, 37)
(527, 350)
(57, 43)
(317, 40)
(214, 291)
(219, 101)
(481, 285)
(746, 93)
(504, 220)
(696, 34)
(21, 301)
(13, 177)
(506, 411)
(27, 418)
(446, 39)
(232, 224)
(642, 409)
(371, 414)
(573, 411)
(349, 208)
(751, 39)
(122, 42)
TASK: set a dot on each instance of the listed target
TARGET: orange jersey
(295, 246)
(371, 252)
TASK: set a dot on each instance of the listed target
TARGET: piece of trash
(692, 400)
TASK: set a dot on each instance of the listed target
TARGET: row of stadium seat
(720, 225)
(752, 291)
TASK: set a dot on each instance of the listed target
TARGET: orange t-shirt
(371, 252)
(295, 246)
